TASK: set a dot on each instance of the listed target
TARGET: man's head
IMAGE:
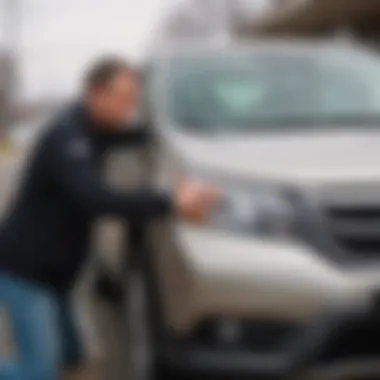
(112, 92)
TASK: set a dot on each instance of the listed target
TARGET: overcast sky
(59, 37)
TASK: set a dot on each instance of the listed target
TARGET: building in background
(360, 19)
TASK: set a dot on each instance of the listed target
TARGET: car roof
(183, 49)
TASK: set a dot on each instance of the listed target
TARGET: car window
(228, 93)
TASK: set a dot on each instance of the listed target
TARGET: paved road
(101, 326)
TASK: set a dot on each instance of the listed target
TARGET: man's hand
(194, 200)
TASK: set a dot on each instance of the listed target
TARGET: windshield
(249, 91)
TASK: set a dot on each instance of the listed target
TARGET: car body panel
(204, 272)
(211, 274)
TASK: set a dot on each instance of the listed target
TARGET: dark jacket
(44, 236)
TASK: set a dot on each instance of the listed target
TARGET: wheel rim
(138, 334)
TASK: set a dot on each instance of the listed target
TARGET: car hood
(307, 158)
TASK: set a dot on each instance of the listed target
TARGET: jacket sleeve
(71, 162)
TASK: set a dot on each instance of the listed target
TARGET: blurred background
(45, 44)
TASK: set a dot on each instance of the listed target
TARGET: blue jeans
(43, 330)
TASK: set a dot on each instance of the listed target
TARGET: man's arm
(70, 161)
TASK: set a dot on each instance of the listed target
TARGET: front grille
(355, 229)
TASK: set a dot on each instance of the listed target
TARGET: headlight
(253, 210)
(261, 212)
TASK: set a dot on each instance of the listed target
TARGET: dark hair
(104, 70)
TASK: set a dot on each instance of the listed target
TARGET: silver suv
(284, 279)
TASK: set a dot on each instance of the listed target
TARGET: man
(44, 237)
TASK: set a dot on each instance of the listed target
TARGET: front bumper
(243, 277)
(343, 344)
(346, 343)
